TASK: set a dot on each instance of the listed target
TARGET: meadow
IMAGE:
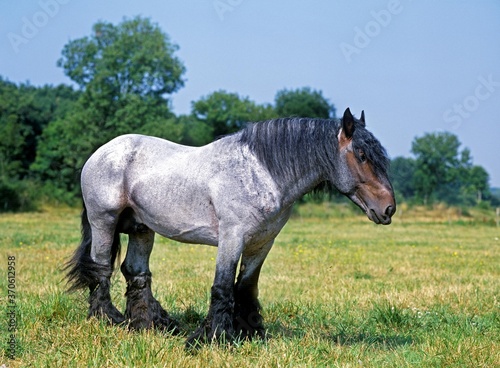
(336, 291)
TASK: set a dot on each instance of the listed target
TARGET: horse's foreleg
(218, 325)
(248, 321)
(143, 310)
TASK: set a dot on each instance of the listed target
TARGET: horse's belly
(190, 234)
(187, 224)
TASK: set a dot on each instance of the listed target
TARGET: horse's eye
(362, 156)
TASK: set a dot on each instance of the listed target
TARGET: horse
(235, 193)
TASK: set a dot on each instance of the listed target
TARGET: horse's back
(131, 144)
(125, 149)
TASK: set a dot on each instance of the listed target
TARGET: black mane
(288, 147)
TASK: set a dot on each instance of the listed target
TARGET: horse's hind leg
(92, 264)
(143, 310)
(248, 321)
(105, 245)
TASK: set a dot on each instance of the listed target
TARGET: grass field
(337, 291)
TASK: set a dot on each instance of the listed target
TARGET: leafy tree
(436, 161)
(194, 131)
(227, 113)
(24, 112)
(477, 183)
(12, 131)
(303, 102)
(62, 149)
(134, 57)
(444, 172)
(43, 105)
(127, 73)
(401, 173)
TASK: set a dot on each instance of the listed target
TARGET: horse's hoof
(196, 341)
(110, 314)
(167, 324)
(249, 326)
(256, 334)
(199, 337)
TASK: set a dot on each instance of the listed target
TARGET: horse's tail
(82, 271)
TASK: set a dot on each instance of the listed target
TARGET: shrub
(17, 196)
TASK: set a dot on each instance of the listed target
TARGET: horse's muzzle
(384, 218)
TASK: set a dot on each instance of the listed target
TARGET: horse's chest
(262, 232)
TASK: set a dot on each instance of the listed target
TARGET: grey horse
(236, 193)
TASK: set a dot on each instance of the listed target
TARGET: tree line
(125, 76)
(441, 171)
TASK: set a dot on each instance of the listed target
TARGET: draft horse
(236, 193)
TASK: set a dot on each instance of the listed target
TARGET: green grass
(337, 291)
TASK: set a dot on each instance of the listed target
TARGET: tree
(25, 111)
(13, 132)
(194, 132)
(127, 73)
(135, 57)
(62, 150)
(436, 160)
(477, 183)
(227, 113)
(303, 102)
(401, 174)
(445, 172)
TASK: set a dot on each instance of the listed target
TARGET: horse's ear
(362, 118)
(348, 123)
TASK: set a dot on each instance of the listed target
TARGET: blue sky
(413, 66)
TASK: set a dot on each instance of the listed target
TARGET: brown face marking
(362, 171)
(374, 196)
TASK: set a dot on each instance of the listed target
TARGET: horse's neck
(303, 184)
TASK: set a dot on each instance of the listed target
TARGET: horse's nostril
(389, 211)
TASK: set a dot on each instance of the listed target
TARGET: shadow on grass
(378, 341)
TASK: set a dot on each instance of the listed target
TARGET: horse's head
(362, 170)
